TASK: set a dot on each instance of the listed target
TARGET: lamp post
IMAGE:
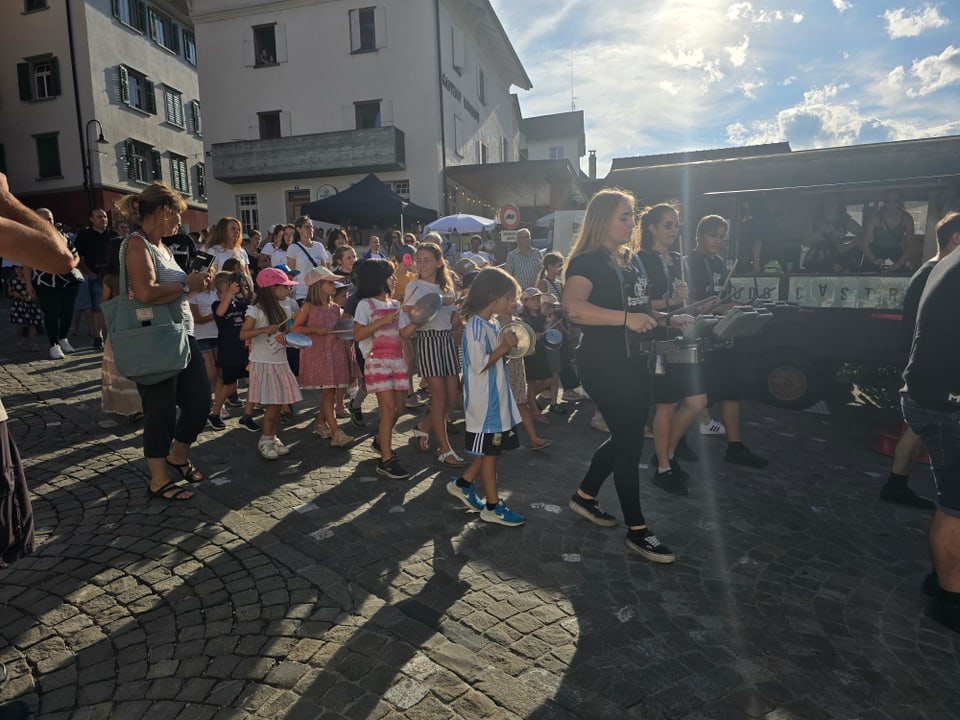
(88, 170)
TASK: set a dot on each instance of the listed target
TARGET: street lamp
(101, 140)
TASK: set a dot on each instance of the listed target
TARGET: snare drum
(684, 352)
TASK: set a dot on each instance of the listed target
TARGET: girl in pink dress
(323, 365)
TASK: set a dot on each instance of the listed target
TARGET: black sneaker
(646, 545)
(947, 614)
(670, 482)
(356, 417)
(740, 455)
(98, 343)
(216, 422)
(931, 586)
(234, 400)
(591, 510)
(391, 469)
(903, 495)
(685, 452)
(249, 423)
(678, 472)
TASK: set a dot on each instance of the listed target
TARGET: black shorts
(491, 443)
(723, 376)
(229, 374)
(681, 380)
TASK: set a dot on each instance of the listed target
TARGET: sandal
(177, 490)
(341, 413)
(423, 440)
(187, 471)
(542, 445)
(445, 458)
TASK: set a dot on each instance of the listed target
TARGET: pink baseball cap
(268, 277)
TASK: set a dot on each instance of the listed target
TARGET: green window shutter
(157, 164)
(174, 38)
(124, 85)
(139, 15)
(115, 7)
(54, 76)
(131, 161)
(23, 78)
(201, 180)
(197, 120)
(151, 98)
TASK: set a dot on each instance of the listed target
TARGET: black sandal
(187, 471)
(175, 497)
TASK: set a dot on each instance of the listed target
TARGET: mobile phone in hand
(201, 262)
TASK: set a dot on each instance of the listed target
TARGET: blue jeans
(940, 431)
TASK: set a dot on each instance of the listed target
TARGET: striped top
(167, 271)
(488, 402)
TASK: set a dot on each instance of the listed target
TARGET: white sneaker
(268, 449)
(66, 346)
(281, 448)
(714, 427)
(56, 353)
(598, 423)
(574, 395)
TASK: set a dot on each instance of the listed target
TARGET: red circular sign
(510, 217)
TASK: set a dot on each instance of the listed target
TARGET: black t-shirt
(933, 371)
(231, 350)
(92, 247)
(705, 275)
(182, 247)
(598, 266)
(911, 303)
(662, 276)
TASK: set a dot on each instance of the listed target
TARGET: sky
(658, 76)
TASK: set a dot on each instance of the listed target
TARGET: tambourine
(425, 309)
(297, 340)
(526, 339)
(464, 265)
(343, 329)
(553, 339)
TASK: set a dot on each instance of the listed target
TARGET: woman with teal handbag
(151, 329)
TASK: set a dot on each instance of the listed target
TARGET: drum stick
(683, 277)
(730, 274)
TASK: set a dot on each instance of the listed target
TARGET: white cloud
(669, 87)
(746, 11)
(789, 80)
(797, 18)
(738, 53)
(749, 87)
(842, 5)
(902, 24)
(932, 73)
(693, 59)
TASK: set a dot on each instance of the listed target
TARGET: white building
(554, 137)
(302, 99)
(100, 98)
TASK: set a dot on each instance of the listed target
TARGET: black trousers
(189, 390)
(620, 387)
(56, 303)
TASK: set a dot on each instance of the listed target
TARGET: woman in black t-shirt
(606, 295)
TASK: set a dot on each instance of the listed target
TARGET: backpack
(16, 513)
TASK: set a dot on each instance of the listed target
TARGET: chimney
(592, 164)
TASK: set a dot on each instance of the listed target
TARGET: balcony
(305, 156)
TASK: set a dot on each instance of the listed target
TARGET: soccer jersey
(488, 402)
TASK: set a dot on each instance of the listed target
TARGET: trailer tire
(792, 381)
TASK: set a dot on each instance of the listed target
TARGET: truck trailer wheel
(792, 382)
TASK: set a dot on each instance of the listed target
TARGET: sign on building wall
(748, 289)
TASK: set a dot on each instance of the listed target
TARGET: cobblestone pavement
(310, 588)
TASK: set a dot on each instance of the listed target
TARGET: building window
(523, 154)
(368, 29)
(132, 13)
(247, 212)
(269, 125)
(48, 156)
(178, 173)
(163, 31)
(201, 180)
(189, 47)
(173, 107)
(456, 50)
(556, 152)
(31, 5)
(367, 114)
(481, 86)
(136, 91)
(458, 135)
(143, 162)
(482, 153)
(265, 45)
(401, 188)
(196, 118)
(39, 78)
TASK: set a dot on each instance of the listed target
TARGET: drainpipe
(443, 137)
(87, 172)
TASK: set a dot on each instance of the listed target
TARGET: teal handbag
(150, 342)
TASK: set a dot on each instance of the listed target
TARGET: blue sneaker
(502, 515)
(466, 495)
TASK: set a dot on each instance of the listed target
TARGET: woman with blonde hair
(155, 278)
(605, 294)
(224, 241)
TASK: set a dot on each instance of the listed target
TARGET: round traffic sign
(510, 217)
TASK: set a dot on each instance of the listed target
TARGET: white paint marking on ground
(818, 509)
(306, 508)
(625, 614)
(56, 423)
(571, 557)
(322, 534)
(873, 474)
(220, 480)
(820, 440)
(397, 509)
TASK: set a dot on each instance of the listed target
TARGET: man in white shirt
(478, 256)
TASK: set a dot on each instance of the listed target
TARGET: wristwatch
(186, 288)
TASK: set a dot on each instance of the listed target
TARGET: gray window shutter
(175, 38)
(124, 85)
(151, 94)
(139, 15)
(201, 180)
(280, 37)
(128, 157)
(23, 78)
(157, 164)
(54, 76)
(115, 7)
(197, 119)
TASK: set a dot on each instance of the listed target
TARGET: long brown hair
(489, 285)
(218, 234)
(154, 197)
(268, 302)
(442, 277)
(653, 216)
(601, 208)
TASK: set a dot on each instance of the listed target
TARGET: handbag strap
(124, 288)
(309, 257)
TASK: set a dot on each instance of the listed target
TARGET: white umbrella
(463, 224)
